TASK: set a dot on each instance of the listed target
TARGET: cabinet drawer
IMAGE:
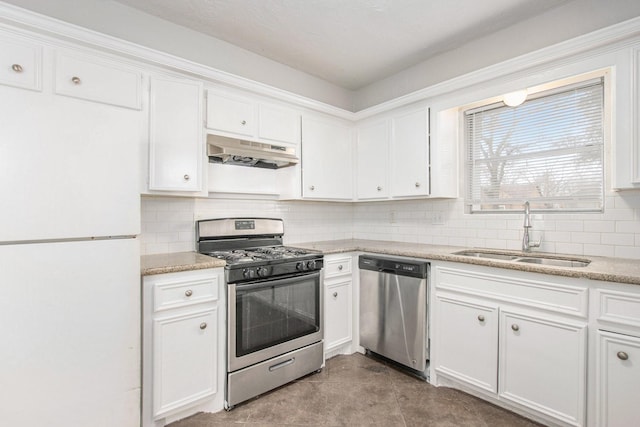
(548, 295)
(619, 307)
(95, 80)
(337, 266)
(174, 294)
(20, 64)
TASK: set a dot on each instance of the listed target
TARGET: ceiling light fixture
(513, 99)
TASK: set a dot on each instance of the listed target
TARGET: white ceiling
(350, 43)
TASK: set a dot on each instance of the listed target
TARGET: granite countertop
(619, 270)
(175, 262)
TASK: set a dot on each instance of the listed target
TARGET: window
(548, 150)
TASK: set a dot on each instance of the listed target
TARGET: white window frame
(535, 92)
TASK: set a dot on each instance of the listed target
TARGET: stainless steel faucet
(526, 243)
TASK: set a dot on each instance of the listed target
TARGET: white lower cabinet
(468, 325)
(542, 365)
(338, 307)
(618, 380)
(183, 338)
(338, 312)
(498, 335)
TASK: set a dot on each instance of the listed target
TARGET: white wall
(114, 19)
(562, 23)
(168, 224)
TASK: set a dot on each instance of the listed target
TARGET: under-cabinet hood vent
(233, 151)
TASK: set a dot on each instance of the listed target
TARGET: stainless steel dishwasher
(393, 309)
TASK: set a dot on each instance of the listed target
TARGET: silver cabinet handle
(335, 295)
(622, 355)
(340, 267)
(515, 327)
(188, 292)
(417, 184)
(480, 317)
(313, 187)
(186, 177)
(76, 80)
(244, 122)
(203, 325)
(379, 188)
(17, 68)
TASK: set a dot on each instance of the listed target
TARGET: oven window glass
(276, 313)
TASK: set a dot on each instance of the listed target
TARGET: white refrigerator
(69, 261)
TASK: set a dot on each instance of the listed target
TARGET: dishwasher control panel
(400, 266)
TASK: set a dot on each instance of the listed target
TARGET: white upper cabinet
(20, 64)
(410, 153)
(176, 139)
(372, 157)
(237, 116)
(229, 113)
(69, 167)
(278, 124)
(97, 80)
(327, 160)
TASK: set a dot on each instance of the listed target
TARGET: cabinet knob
(203, 325)
(313, 187)
(622, 355)
(17, 68)
(76, 80)
(340, 267)
(379, 188)
(186, 177)
(417, 185)
(244, 122)
(480, 317)
(515, 327)
(188, 292)
(335, 295)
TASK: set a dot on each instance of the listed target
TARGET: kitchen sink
(538, 259)
(490, 255)
(556, 262)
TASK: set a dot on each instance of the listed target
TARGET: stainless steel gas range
(274, 304)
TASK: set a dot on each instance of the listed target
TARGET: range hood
(239, 152)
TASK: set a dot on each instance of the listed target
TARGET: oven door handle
(277, 282)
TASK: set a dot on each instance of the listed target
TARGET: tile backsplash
(168, 224)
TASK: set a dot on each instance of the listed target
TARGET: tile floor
(358, 391)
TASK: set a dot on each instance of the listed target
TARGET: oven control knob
(262, 271)
(248, 273)
(311, 265)
(300, 266)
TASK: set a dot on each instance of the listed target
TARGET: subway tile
(618, 239)
(599, 250)
(590, 238)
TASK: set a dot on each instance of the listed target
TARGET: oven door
(272, 317)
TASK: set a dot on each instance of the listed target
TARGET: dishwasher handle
(394, 265)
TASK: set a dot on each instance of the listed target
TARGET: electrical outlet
(437, 218)
(392, 217)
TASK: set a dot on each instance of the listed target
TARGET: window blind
(549, 151)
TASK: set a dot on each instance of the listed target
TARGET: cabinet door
(543, 365)
(326, 159)
(466, 342)
(372, 148)
(20, 64)
(618, 380)
(228, 113)
(175, 135)
(185, 360)
(337, 309)
(278, 124)
(410, 154)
